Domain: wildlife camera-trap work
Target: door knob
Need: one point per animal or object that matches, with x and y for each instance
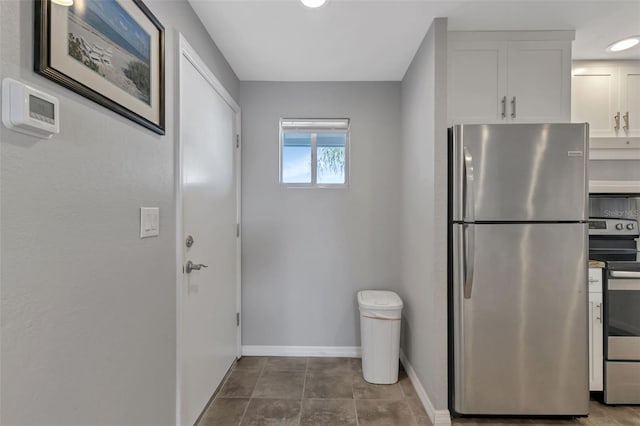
(194, 267)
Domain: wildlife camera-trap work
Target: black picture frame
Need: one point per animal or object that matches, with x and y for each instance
(85, 71)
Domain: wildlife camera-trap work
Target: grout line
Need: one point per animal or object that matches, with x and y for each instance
(304, 385)
(306, 371)
(244, 413)
(353, 393)
(415, 417)
(264, 367)
(404, 394)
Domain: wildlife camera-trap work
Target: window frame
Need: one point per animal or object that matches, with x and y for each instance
(314, 126)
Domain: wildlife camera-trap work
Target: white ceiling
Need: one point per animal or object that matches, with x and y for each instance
(361, 40)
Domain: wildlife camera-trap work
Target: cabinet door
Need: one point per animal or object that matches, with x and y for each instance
(476, 82)
(595, 98)
(539, 81)
(630, 99)
(595, 342)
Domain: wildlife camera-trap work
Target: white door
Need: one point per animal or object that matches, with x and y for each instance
(630, 100)
(477, 82)
(539, 81)
(208, 297)
(595, 98)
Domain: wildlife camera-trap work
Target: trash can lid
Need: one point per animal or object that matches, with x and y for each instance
(379, 300)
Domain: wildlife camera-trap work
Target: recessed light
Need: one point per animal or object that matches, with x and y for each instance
(313, 3)
(624, 44)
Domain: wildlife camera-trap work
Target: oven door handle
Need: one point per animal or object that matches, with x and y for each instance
(624, 274)
(612, 250)
(624, 284)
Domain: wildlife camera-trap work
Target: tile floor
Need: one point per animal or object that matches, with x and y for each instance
(280, 391)
(311, 391)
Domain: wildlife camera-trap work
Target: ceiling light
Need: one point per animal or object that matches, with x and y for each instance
(63, 2)
(313, 3)
(624, 44)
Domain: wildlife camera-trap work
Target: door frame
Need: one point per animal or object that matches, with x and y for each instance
(185, 50)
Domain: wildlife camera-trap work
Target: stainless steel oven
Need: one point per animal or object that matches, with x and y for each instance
(613, 238)
(622, 331)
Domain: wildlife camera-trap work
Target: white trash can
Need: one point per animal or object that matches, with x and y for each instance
(380, 314)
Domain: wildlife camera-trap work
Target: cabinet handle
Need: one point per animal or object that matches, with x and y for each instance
(599, 317)
(513, 107)
(626, 121)
(504, 107)
(617, 120)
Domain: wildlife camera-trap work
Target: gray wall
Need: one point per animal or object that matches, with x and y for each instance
(88, 308)
(424, 203)
(306, 252)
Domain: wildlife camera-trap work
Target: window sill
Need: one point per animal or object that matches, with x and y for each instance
(314, 186)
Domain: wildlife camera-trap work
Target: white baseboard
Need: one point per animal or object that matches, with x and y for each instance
(437, 417)
(327, 351)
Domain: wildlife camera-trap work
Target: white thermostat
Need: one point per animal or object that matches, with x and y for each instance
(28, 110)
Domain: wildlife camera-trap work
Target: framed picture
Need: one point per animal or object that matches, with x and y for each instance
(110, 51)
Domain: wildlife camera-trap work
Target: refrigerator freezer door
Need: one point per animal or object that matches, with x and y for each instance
(520, 338)
(520, 172)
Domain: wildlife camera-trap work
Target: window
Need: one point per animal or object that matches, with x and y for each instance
(314, 152)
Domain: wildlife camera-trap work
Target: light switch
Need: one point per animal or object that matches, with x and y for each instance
(149, 222)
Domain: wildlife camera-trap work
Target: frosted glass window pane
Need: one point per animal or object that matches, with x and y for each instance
(331, 158)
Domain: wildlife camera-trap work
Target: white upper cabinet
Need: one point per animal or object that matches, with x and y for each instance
(477, 77)
(596, 98)
(539, 81)
(630, 98)
(606, 94)
(509, 76)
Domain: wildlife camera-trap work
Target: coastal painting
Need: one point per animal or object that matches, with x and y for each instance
(104, 37)
(111, 51)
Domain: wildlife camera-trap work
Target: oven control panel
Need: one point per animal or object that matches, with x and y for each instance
(613, 227)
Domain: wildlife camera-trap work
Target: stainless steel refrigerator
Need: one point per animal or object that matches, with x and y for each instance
(518, 269)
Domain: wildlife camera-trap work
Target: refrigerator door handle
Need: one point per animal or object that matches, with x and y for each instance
(469, 202)
(460, 255)
(469, 258)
